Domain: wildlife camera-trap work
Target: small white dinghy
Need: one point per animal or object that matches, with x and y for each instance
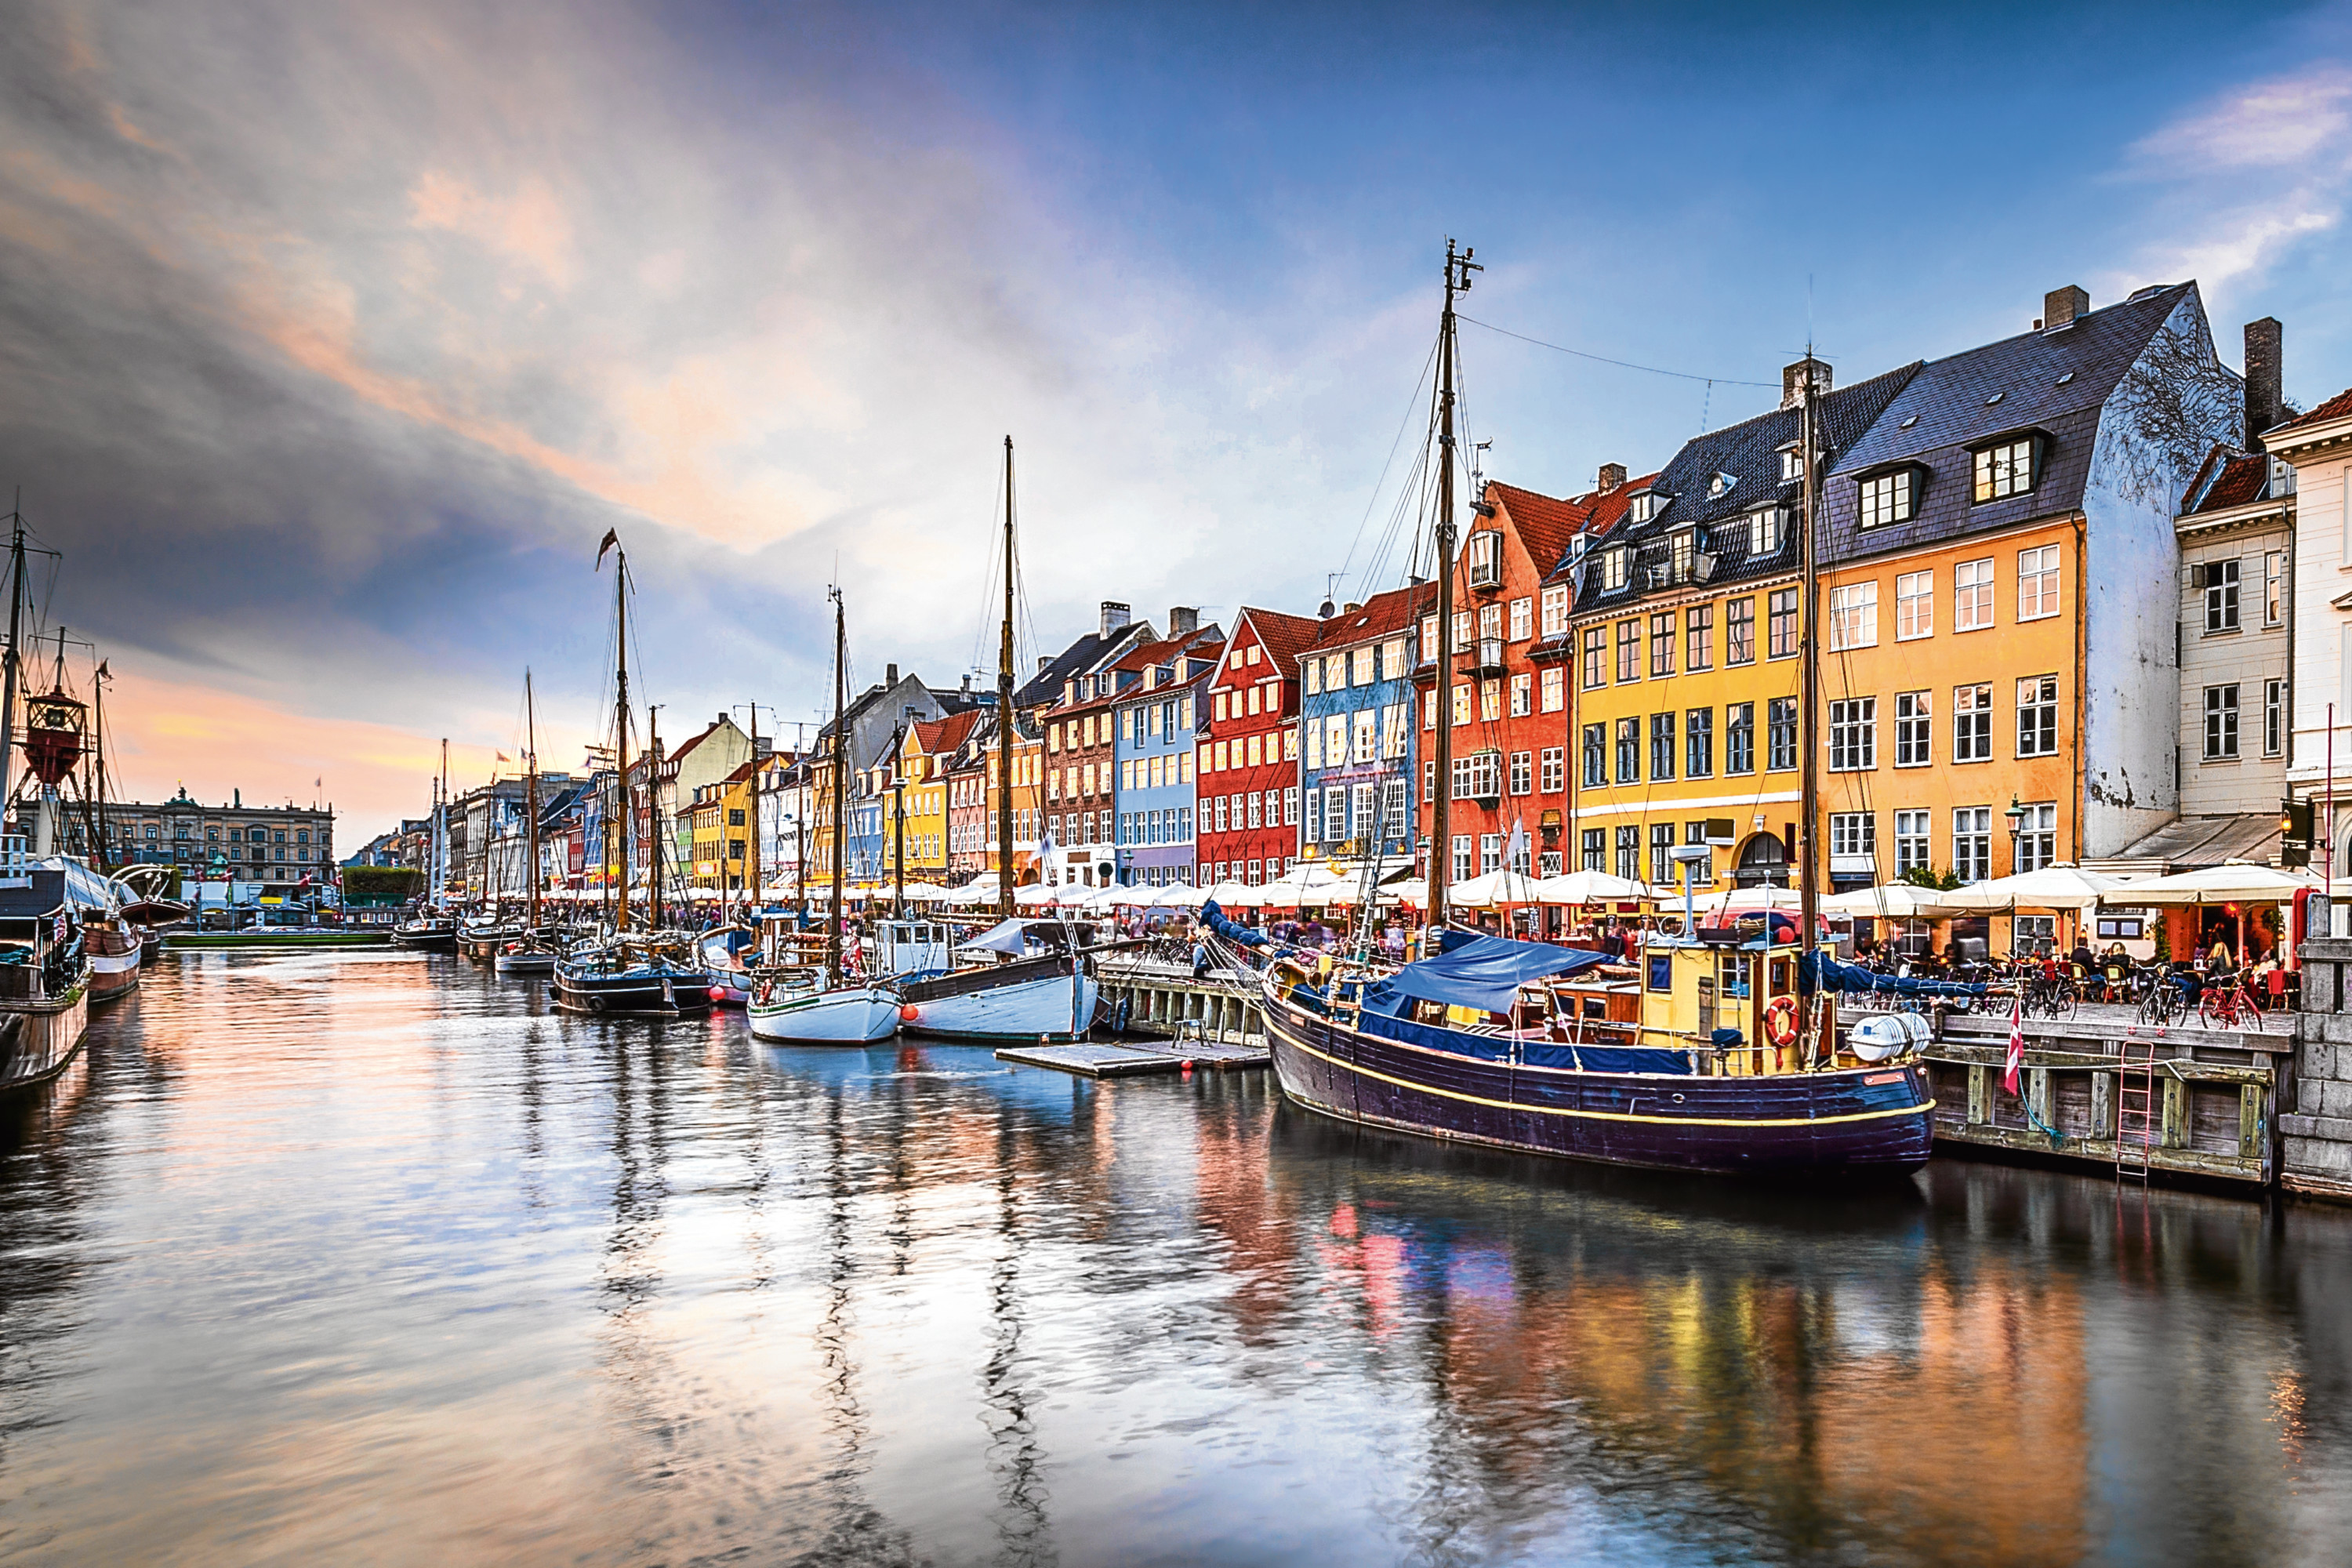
(794, 1009)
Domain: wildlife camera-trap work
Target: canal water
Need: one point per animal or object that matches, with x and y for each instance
(362, 1256)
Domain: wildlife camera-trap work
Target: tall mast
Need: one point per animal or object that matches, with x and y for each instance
(751, 843)
(621, 733)
(1808, 835)
(441, 828)
(8, 683)
(531, 800)
(898, 827)
(840, 789)
(99, 851)
(1458, 268)
(1004, 714)
(655, 826)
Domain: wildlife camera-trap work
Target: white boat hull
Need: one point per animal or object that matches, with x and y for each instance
(1022, 1012)
(855, 1016)
(525, 965)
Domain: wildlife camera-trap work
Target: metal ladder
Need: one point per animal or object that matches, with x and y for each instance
(2136, 1111)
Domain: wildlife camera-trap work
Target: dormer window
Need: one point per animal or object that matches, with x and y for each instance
(2004, 468)
(1614, 565)
(1889, 498)
(1681, 548)
(1485, 559)
(1792, 464)
(1644, 507)
(1720, 486)
(1768, 529)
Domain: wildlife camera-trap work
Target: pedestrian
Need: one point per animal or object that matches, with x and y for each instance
(1201, 958)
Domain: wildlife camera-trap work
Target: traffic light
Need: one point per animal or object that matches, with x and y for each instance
(2298, 832)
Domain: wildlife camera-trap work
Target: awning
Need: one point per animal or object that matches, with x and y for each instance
(2187, 843)
(1487, 972)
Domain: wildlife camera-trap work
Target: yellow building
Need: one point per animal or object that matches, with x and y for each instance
(926, 752)
(720, 818)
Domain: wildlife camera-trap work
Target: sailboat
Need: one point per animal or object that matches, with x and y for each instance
(530, 956)
(1024, 991)
(432, 928)
(804, 1005)
(44, 961)
(643, 974)
(1476, 1043)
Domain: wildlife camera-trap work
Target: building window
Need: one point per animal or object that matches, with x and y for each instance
(1490, 853)
(1853, 833)
(1462, 842)
(1428, 639)
(1914, 605)
(1854, 734)
(2221, 595)
(2037, 836)
(1596, 656)
(1478, 777)
(1661, 852)
(1767, 530)
(1662, 746)
(1782, 629)
(1461, 704)
(1554, 689)
(1972, 724)
(1739, 632)
(1629, 751)
(1614, 569)
(1853, 615)
(1780, 733)
(2037, 716)
(1596, 756)
(2222, 723)
(1554, 776)
(2273, 717)
(1629, 650)
(1740, 737)
(1290, 807)
(2037, 583)
(1522, 695)
(1490, 700)
(1629, 852)
(1523, 772)
(1523, 620)
(1912, 717)
(1698, 637)
(1698, 743)
(1910, 841)
(1972, 843)
(2005, 471)
(1972, 596)
(1555, 610)
(1662, 645)
(2273, 587)
(1887, 499)
(1594, 850)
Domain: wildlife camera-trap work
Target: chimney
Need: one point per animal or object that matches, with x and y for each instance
(1351, 608)
(1611, 479)
(2060, 306)
(890, 676)
(2265, 392)
(1183, 620)
(1045, 663)
(1792, 381)
(1114, 616)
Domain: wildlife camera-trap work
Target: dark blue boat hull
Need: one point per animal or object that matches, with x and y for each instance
(633, 993)
(1875, 1121)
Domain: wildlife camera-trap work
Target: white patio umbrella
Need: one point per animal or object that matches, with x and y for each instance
(1588, 887)
(1178, 896)
(1305, 883)
(2237, 882)
(925, 892)
(1234, 896)
(1493, 890)
(1037, 896)
(1891, 901)
(2049, 888)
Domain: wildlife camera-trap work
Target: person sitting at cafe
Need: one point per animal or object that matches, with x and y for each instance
(2217, 958)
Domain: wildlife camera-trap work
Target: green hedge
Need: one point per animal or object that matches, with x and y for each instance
(386, 884)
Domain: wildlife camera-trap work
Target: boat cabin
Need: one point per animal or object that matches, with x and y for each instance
(910, 947)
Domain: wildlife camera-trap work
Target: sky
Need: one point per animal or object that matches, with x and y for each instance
(333, 337)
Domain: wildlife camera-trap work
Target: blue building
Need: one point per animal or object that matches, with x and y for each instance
(1158, 722)
(1358, 746)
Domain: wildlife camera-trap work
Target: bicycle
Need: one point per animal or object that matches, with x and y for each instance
(2162, 1000)
(2047, 996)
(2230, 1005)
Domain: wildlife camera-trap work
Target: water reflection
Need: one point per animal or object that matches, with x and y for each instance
(320, 1253)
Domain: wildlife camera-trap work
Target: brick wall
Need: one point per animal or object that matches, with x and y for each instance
(2316, 1121)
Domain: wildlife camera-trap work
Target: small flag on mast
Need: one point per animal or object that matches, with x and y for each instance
(612, 538)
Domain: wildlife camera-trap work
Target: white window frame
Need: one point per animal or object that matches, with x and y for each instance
(1915, 728)
(1886, 499)
(1854, 734)
(2220, 726)
(2002, 470)
(1911, 840)
(1974, 597)
(1914, 605)
(1853, 615)
(2038, 586)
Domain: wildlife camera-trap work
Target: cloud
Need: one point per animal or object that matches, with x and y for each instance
(2248, 178)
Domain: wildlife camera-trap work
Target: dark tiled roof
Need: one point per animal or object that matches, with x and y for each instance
(2054, 382)
(1378, 616)
(2336, 407)
(2228, 477)
(1746, 456)
(1602, 512)
(1045, 686)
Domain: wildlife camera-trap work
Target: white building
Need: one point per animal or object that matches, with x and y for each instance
(2319, 446)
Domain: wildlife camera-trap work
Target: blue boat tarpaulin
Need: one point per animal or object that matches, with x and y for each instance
(1487, 971)
(1836, 976)
(1214, 918)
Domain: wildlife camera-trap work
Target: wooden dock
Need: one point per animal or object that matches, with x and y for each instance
(1099, 1058)
(2217, 1091)
(1141, 997)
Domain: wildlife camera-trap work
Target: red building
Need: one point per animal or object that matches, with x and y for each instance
(1248, 770)
(1510, 698)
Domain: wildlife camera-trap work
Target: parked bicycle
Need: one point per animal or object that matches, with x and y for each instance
(2160, 998)
(2228, 1004)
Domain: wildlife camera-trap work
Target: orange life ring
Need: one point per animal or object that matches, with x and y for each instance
(1780, 1020)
